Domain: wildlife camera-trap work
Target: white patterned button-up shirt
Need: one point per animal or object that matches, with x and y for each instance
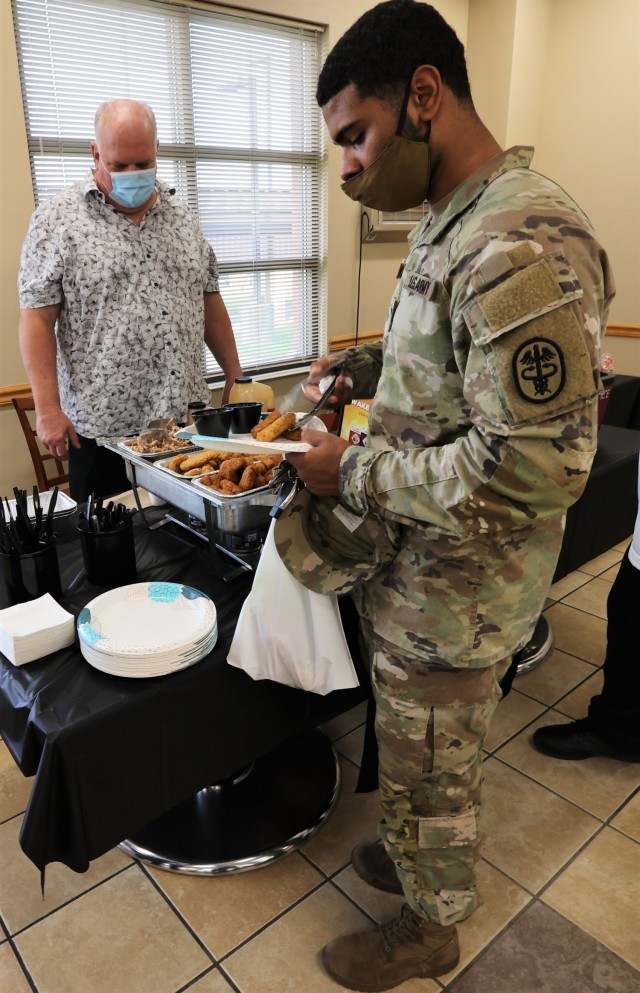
(131, 324)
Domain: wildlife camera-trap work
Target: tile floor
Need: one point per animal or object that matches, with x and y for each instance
(560, 874)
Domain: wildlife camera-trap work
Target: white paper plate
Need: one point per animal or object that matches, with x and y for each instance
(246, 444)
(145, 668)
(146, 620)
(176, 656)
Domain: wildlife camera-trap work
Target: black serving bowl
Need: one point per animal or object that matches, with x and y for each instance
(214, 422)
(244, 416)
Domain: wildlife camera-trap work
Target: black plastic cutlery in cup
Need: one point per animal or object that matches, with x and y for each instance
(28, 556)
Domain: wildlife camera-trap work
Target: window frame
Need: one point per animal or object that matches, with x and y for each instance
(308, 266)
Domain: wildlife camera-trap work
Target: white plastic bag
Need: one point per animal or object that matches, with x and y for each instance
(290, 634)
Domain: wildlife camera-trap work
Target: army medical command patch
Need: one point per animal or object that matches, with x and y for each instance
(539, 370)
(530, 331)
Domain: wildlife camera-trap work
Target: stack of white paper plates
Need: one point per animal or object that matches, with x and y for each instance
(147, 629)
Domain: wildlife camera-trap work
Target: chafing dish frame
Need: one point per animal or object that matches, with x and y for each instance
(230, 514)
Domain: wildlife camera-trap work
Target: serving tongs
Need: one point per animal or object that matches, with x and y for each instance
(152, 435)
(288, 402)
(161, 423)
(286, 483)
(158, 430)
(305, 418)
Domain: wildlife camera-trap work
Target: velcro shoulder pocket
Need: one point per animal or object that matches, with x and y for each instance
(529, 327)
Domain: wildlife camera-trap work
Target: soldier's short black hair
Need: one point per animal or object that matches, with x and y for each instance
(382, 49)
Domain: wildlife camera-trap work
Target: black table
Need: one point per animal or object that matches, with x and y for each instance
(112, 755)
(623, 404)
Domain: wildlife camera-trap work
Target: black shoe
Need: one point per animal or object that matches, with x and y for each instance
(578, 740)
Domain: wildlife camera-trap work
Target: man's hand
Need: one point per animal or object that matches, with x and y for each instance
(326, 366)
(54, 429)
(318, 468)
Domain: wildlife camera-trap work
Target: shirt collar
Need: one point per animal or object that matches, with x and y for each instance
(455, 203)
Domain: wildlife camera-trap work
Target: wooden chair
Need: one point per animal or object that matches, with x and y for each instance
(41, 459)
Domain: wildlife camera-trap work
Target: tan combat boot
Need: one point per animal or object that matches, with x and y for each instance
(371, 862)
(407, 947)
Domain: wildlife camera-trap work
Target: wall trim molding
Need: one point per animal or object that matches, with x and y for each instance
(345, 341)
(623, 330)
(6, 392)
(335, 345)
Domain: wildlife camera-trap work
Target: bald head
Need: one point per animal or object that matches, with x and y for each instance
(125, 115)
(125, 142)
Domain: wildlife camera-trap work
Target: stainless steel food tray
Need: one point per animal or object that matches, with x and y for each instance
(238, 514)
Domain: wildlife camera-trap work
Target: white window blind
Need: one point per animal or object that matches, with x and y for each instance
(240, 140)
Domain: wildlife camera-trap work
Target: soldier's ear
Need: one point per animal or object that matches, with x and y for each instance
(426, 93)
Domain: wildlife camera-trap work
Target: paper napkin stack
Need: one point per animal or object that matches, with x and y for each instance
(36, 628)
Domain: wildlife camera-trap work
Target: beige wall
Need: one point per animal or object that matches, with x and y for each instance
(560, 74)
(591, 142)
(17, 205)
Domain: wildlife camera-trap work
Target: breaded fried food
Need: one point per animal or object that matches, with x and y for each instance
(233, 468)
(248, 479)
(175, 463)
(227, 486)
(195, 461)
(273, 416)
(207, 467)
(283, 423)
(222, 456)
(294, 435)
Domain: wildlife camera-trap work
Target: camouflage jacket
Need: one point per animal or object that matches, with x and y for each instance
(483, 426)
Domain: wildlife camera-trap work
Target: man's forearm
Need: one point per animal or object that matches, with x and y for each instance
(38, 350)
(218, 336)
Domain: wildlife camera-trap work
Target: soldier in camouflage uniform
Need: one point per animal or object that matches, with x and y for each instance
(482, 432)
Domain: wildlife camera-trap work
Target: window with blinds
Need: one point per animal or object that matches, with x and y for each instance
(240, 140)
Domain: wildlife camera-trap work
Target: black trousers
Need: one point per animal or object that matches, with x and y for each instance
(615, 712)
(94, 469)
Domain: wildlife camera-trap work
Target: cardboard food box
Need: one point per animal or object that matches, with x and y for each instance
(355, 422)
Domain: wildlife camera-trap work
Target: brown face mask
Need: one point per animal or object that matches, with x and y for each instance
(399, 177)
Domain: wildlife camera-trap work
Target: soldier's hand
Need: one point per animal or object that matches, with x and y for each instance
(319, 374)
(318, 467)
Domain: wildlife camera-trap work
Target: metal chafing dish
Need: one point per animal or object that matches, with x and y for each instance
(235, 524)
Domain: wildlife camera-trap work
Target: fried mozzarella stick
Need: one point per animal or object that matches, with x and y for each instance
(273, 416)
(283, 423)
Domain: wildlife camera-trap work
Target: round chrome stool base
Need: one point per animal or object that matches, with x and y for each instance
(249, 821)
(536, 649)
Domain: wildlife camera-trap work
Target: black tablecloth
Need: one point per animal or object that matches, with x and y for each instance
(111, 754)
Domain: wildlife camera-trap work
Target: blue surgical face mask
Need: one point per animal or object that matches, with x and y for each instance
(132, 189)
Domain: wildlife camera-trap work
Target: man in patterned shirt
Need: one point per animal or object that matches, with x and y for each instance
(118, 290)
(482, 431)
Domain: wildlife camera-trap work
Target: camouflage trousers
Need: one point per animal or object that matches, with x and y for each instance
(431, 724)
